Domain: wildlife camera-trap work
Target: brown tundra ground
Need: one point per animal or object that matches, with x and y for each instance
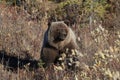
(21, 40)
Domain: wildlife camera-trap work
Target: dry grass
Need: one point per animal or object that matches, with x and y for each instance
(21, 40)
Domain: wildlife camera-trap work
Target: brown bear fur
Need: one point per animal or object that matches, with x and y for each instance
(58, 37)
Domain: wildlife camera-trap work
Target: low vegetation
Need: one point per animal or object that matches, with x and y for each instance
(95, 23)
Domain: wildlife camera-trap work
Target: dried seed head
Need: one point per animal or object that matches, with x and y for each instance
(77, 63)
(76, 52)
(73, 52)
(66, 50)
(63, 55)
(70, 60)
(58, 68)
(63, 65)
